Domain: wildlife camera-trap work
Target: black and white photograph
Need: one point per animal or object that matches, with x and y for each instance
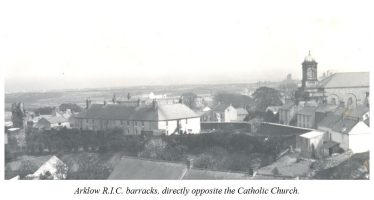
(186, 90)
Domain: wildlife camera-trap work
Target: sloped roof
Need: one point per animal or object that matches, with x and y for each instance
(220, 107)
(54, 119)
(202, 174)
(312, 134)
(346, 79)
(329, 121)
(140, 169)
(345, 125)
(52, 166)
(141, 113)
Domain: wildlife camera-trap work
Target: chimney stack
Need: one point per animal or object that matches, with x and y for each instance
(154, 104)
(88, 103)
(114, 99)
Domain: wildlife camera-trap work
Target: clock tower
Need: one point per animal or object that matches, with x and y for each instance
(309, 72)
(309, 84)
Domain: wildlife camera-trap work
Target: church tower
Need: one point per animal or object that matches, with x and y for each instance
(309, 72)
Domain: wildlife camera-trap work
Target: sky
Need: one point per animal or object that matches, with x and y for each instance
(47, 45)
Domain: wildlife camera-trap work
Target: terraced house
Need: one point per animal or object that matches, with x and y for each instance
(138, 119)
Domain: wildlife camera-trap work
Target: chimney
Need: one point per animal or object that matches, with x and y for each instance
(114, 98)
(154, 104)
(88, 103)
(138, 102)
(104, 103)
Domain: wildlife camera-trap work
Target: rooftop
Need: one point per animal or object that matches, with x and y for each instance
(345, 125)
(220, 107)
(346, 79)
(329, 121)
(312, 134)
(140, 169)
(54, 119)
(141, 113)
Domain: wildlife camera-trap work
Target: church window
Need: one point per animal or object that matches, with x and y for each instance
(350, 101)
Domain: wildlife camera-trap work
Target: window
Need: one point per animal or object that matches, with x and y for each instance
(142, 123)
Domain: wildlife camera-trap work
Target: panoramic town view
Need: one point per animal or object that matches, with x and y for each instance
(313, 128)
(186, 90)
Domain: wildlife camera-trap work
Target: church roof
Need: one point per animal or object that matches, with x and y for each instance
(141, 113)
(346, 80)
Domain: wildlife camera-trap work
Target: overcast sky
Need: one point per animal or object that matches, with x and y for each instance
(80, 44)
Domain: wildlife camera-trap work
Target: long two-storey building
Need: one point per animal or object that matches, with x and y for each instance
(137, 119)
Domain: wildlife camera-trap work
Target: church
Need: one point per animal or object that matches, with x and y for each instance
(347, 89)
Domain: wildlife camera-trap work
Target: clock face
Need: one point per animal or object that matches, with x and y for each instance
(309, 73)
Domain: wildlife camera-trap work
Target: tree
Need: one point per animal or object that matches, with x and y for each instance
(265, 97)
(236, 100)
(18, 114)
(189, 99)
(44, 110)
(72, 106)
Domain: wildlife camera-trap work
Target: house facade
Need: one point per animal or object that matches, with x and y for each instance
(311, 144)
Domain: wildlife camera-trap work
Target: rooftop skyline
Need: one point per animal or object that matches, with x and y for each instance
(88, 44)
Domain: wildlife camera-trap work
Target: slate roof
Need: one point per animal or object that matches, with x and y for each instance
(55, 119)
(141, 113)
(345, 125)
(140, 169)
(329, 121)
(346, 79)
(312, 134)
